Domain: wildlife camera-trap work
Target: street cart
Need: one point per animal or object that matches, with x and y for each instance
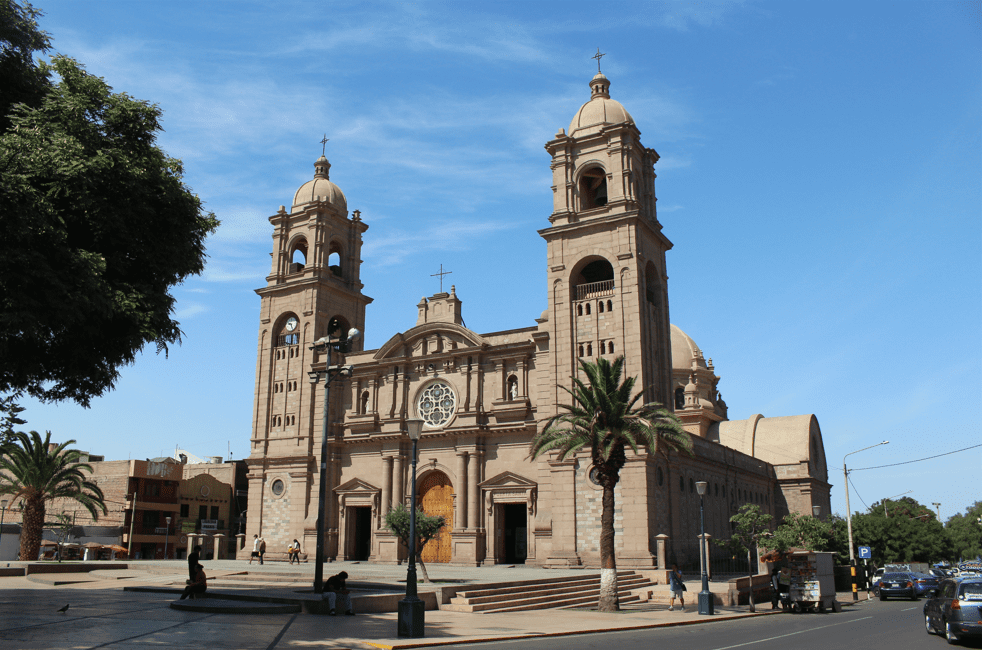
(812, 583)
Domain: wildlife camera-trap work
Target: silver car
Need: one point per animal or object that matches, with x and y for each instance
(954, 609)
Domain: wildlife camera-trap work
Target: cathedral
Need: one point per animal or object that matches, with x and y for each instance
(482, 396)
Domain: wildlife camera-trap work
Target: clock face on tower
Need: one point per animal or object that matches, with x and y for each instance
(291, 324)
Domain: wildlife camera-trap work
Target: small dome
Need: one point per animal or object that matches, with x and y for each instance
(601, 109)
(684, 350)
(321, 189)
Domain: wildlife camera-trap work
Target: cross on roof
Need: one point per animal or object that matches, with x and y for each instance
(326, 139)
(598, 56)
(441, 274)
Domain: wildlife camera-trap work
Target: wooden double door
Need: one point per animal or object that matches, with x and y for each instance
(436, 498)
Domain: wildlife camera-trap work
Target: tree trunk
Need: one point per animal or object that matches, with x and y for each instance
(609, 601)
(751, 570)
(32, 527)
(422, 567)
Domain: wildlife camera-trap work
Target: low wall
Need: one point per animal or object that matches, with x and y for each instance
(70, 567)
(739, 590)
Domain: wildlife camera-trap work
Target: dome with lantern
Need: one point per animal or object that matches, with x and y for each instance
(320, 188)
(600, 111)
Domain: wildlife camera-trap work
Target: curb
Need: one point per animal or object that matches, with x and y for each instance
(546, 635)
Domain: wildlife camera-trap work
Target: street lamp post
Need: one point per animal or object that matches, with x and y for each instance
(327, 344)
(411, 609)
(166, 536)
(706, 605)
(852, 551)
(886, 512)
(3, 511)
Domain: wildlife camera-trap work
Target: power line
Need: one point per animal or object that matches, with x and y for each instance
(857, 491)
(908, 462)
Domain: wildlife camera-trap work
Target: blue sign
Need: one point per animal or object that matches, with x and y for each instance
(865, 553)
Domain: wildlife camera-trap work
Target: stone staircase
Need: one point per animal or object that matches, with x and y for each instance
(549, 593)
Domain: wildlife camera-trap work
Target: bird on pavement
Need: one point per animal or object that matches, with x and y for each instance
(65, 608)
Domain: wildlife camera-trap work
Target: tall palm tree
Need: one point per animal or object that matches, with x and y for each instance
(36, 471)
(603, 417)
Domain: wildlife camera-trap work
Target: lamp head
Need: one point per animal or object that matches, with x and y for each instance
(3, 503)
(168, 519)
(314, 376)
(414, 428)
(701, 487)
(816, 511)
(353, 333)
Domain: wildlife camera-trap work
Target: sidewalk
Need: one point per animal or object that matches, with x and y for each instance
(103, 614)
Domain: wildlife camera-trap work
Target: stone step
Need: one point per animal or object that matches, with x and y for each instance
(547, 594)
(525, 586)
(625, 583)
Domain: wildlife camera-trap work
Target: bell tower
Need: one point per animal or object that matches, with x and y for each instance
(314, 281)
(608, 292)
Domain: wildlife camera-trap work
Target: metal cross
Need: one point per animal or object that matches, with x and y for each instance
(441, 274)
(327, 139)
(598, 56)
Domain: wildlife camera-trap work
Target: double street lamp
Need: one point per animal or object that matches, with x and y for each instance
(706, 605)
(412, 610)
(852, 552)
(327, 344)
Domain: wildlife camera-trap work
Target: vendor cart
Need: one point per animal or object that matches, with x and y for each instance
(812, 583)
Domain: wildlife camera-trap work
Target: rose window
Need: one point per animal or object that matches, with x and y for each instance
(436, 404)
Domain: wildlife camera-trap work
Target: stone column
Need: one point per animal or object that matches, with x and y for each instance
(219, 538)
(660, 541)
(191, 538)
(386, 486)
(399, 483)
(473, 493)
(460, 503)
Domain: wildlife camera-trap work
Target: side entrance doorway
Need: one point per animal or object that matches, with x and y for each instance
(514, 533)
(360, 532)
(436, 498)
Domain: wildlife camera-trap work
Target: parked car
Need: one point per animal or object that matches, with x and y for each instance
(877, 575)
(896, 585)
(954, 609)
(924, 582)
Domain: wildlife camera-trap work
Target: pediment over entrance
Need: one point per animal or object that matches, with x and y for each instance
(356, 486)
(447, 336)
(508, 480)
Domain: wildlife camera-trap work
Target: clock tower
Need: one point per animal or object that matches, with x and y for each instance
(314, 281)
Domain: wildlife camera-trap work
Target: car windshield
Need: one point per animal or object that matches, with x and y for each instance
(971, 591)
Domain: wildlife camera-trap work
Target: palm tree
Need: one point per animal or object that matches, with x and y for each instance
(36, 471)
(603, 418)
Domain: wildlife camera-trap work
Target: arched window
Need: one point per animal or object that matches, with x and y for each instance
(600, 307)
(334, 259)
(681, 484)
(610, 347)
(581, 350)
(679, 398)
(588, 309)
(610, 306)
(579, 310)
(593, 189)
(298, 255)
(589, 349)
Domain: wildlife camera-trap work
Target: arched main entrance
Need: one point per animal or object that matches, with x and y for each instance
(436, 497)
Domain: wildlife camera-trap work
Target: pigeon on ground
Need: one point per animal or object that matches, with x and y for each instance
(65, 608)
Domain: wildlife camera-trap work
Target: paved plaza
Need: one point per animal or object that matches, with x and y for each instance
(130, 608)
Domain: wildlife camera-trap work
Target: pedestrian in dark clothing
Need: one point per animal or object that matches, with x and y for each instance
(775, 588)
(335, 591)
(193, 562)
(677, 585)
(198, 586)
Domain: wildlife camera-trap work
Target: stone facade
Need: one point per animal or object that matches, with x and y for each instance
(483, 396)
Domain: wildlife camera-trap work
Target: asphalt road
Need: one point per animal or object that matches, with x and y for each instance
(870, 625)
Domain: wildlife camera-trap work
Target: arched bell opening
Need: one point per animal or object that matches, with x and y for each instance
(334, 260)
(593, 188)
(298, 255)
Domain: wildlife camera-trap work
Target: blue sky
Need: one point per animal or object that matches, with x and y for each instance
(821, 180)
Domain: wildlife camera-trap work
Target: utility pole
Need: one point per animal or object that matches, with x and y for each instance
(129, 550)
(937, 506)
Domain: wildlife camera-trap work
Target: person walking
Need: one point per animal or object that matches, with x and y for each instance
(255, 550)
(294, 551)
(262, 549)
(775, 587)
(678, 588)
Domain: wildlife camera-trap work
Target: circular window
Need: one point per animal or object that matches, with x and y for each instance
(436, 404)
(205, 490)
(595, 475)
(277, 487)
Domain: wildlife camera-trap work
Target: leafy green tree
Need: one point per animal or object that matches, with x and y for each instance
(20, 38)
(751, 528)
(97, 227)
(604, 419)
(965, 533)
(801, 531)
(901, 531)
(11, 411)
(427, 527)
(35, 471)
